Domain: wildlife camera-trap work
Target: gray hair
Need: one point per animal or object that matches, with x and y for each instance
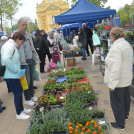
(84, 24)
(22, 19)
(50, 33)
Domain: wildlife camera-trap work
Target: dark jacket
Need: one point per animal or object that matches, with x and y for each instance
(71, 35)
(40, 44)
(45, 36)
(83, 39)
(88, 32)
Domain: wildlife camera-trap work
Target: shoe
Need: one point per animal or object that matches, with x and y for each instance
(29, 103)
(26, 111)
(34, 99)
(114, 125)
(22, 116)
(34, 87)
(84, 59)
(81, 58)
(126, 118)
(43, 72)
(2, 110)
(1, 102)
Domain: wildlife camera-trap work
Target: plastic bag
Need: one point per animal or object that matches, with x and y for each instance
(96, 40)
(59, 64)
(37, 75)
(23, 80)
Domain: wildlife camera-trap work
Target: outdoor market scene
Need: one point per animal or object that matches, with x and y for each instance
(66, 67)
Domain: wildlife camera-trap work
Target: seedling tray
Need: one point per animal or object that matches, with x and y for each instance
(85, 80)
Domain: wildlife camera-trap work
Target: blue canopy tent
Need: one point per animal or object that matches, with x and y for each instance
(84, 11)
(1, 33)
(53, 29)
(33, 32)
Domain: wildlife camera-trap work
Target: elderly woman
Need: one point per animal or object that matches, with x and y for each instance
(118, 76)
(83, 43)
(52, 42)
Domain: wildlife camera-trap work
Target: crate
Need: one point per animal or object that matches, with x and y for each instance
(61, 79)
(71, 62)
(85, 80)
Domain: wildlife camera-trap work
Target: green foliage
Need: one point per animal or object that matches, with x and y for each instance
(8, 30)
(52, 121)
(75, 106)
(99, 3)
(125, 13)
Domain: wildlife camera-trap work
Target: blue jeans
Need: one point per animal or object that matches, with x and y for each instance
(16, 87)
(29, 71)
(72, 41)
(0, 105)
(83, 51)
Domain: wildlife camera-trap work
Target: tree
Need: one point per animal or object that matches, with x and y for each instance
(125, 14)
(99, 3)
(8, 30)
(8, 7)
(35, 24)
(108, 7)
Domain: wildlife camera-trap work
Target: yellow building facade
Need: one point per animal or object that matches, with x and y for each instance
(46, 12)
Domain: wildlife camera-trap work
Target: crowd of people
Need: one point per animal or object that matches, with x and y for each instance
(23, 51)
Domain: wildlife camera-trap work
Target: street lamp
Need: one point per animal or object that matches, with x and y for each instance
(10, 16)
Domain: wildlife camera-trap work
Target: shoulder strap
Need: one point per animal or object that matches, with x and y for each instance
(13, 52)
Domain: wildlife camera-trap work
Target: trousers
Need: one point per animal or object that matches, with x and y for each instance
(89, 42)
(29, 71)
(120, 103)
(16, 87)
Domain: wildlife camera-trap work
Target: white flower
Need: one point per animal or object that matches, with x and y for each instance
(41, 109)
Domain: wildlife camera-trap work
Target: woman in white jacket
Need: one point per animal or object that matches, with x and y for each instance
(118, 76)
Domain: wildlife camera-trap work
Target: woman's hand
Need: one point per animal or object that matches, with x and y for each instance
(55, 44)
(18, 48)
(111, 89)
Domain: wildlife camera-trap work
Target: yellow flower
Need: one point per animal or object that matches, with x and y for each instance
(80, 125)
(77, 127)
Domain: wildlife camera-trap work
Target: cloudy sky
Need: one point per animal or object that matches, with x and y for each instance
(29, 7)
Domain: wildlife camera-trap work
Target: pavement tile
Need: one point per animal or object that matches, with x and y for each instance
(96, 77)
(105, 102)
(98, 91)
(99, 83)
(86, 68)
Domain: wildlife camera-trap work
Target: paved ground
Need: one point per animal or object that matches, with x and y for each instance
(10, 125)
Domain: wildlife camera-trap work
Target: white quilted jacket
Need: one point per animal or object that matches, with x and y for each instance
(118, 65)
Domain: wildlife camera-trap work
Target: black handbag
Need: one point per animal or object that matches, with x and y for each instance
(3, 68)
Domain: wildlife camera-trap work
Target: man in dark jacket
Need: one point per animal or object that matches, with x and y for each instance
(42, 32)
(89, 35)
(40, 45)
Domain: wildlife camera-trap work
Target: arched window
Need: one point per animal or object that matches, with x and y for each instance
(43, 22)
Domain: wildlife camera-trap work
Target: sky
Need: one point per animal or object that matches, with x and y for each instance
(29, 7)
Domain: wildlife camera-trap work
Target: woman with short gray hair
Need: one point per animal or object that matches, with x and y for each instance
(118, 76)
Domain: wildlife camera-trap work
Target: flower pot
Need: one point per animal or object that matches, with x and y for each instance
(100, 115)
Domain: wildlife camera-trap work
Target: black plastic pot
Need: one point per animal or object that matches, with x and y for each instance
(101, 116)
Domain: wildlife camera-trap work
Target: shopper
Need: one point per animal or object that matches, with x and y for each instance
(83, 43)
(40, 45)
(4, 39)
(71, 36)
(28, 59)
(52, 42)
(89, 35)
(10, 57)
(2, 109)
(118, 76)
(47, 49)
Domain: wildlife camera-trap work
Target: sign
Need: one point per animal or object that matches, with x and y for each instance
(109, 43)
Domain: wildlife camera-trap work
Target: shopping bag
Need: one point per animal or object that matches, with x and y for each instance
(53, 66)
(59, 65)
(37, 75)
(23, 80)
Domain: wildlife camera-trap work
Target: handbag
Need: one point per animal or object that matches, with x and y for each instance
(3, 68)
(23, 80)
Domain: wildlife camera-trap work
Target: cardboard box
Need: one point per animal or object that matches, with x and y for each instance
(71, 61)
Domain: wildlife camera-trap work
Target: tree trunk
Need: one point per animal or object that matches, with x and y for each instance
(1, 23)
